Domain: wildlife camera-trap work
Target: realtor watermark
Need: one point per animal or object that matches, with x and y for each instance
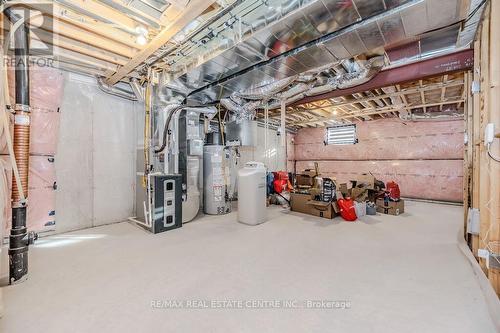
(35, 17)
(242, 304)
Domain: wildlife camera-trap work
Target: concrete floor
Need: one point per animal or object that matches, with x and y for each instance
(400, 274)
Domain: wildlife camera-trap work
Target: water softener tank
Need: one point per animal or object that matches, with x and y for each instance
(215, 180)
(252, 193)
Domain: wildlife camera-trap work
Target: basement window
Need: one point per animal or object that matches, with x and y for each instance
(341, 135)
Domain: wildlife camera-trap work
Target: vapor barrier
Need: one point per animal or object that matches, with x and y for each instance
(46, 92)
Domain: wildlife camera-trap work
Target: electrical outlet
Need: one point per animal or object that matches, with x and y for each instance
(485, 254)
(489, 134)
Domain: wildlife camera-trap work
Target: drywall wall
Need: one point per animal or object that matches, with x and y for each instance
(95, 163)
(425, 158)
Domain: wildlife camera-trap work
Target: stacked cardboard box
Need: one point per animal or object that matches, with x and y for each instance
(302, 203)
(364, 188)
(390, 207)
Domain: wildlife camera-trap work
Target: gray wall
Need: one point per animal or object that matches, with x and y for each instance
(95, 163)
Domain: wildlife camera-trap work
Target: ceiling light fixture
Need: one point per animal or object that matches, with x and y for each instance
(141, 40)
(142, 35)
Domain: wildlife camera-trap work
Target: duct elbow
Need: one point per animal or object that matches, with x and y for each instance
(115, 91)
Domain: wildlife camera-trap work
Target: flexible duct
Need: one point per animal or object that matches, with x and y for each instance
(266, 90)
(19, 237)
(431, 116)
(115, 91)
(299, 88)
(243, 104)
(373, 66)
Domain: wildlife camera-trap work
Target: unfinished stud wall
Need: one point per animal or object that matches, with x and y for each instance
(95, 163)
(425, 158)
(483, 173)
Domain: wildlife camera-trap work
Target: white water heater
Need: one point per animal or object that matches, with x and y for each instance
(252, 194)
(216, 180)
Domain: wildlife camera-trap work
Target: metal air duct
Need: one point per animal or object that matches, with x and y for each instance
(115, 91)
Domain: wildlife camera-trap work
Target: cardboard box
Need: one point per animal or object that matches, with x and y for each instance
(359, 194)
(366, 180)
(373, 195)
(391, 208)
(298, 202)
(310, 172)
(302, 203)
(321, 209)
(304, 180)
(343, 189)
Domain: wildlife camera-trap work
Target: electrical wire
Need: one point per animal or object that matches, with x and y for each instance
(147, 96)
(491, 155)
(221, 125)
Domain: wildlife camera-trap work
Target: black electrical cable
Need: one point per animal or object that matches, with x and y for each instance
(166, 131)
(288, 201)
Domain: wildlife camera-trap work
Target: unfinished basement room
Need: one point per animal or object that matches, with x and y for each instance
(250, 166)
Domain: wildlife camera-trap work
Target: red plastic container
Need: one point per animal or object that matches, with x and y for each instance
(393, 189)
(280, 183)
(347, 210)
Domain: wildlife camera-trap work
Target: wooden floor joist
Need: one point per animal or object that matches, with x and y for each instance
(191, 12)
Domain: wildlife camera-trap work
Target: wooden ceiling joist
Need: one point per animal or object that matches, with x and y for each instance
(81, 35)
(78, 47)
(191, 12)
(382, 102)
(102, 11)
(88, 23)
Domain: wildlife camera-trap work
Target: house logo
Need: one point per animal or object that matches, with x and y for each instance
(36, 18)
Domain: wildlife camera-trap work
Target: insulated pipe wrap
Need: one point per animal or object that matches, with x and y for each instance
(21, 151)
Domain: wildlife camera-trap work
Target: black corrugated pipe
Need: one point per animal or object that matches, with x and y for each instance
(19, 237)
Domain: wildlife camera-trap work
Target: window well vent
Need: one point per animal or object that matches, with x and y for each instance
(341, 135)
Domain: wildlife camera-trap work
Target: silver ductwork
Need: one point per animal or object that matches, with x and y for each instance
(430, 116)
(243, 104)
(267, 90)
(138, 90)
(115, 91)
(270, 44)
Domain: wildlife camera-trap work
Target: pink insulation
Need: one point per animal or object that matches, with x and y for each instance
(41, 192)
(46, 90)
(387, 139)
(425, 158)
(46, 87)
(433, 180)
(43, 132)
(45, 97)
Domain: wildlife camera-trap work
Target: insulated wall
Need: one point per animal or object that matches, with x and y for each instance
(95, 163)
(425, 158)
(46, 89)
(273, 157)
